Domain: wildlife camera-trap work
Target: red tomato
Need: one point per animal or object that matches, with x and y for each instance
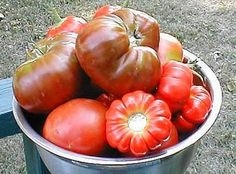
(117, 51)
(175, 83)
(138, 123)
(51, 76)
(78, 125)
(195, 110)
(105, 10)
(198, 105)
(169, 48)
(68, 24)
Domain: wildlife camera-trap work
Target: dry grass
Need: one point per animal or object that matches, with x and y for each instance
(205, 27)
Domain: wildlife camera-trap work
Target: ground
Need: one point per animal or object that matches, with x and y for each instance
(206, 28)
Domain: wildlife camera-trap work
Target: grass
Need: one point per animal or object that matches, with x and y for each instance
(205, 27)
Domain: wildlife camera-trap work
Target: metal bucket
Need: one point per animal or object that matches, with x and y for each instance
(173, 160)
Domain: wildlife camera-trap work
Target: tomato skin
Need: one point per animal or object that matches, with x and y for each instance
(78, 125)
(195, 110)
(106, 99)
(110, 54)
(170, 141)
(169, 48)
(105, 10)
(199, 103)
(51, 77)
(175, 83)
(137, 124)
(68, 24)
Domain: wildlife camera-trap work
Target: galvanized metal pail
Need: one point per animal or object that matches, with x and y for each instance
(173, 160)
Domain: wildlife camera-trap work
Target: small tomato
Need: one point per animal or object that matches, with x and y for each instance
(170, 48)
(198, 105)
(194, 111)
(175, 83)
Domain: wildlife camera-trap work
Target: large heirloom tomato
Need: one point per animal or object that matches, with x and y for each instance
(50, 77)
(195, 110)
(175, 83)
(68, 24)
(78, 125)
(138, 124)
(117, 51)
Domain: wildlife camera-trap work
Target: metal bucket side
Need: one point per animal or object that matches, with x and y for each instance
(175, 164)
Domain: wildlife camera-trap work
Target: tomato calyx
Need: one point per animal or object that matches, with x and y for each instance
(135, 38)
(135, 22)
(137, 122)
(37, 50)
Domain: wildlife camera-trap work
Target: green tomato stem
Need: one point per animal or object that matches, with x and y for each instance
(125, 4)
(55, 15)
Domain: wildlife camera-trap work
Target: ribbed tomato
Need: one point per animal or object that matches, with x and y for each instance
(175, 83)
(195, 110)
(51, 76)
(138, 124)
(117, 51)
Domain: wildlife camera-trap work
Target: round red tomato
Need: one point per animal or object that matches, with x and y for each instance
(117, 51)
(169, 48)
(78, 125)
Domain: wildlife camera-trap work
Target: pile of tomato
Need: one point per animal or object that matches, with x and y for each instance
(113, 83)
